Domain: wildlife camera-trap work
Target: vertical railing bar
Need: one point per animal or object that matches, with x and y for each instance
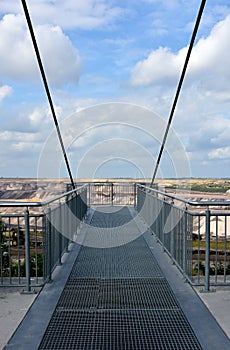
(1, 248)
(225, 248)
(189, 243)
(76, 213)
(70, 224)
(198, 248)
(65, 232)
(178, 236)
(171, 233)
(18, 250)
(207, 252)
(49, 263)
(58, 231)
(74, 217)
(27, 251)
(81, 201)
(89, 194)
(216, 254)
(44, 246)
(163, 225)
(69, 228)
(184, 245)
(36, 248)
(9, 251)
(191, 229)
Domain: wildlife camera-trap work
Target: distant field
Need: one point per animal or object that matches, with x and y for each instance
(199, 185)
(41, 189)
(207, 186)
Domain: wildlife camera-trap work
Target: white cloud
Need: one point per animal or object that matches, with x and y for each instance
(14, 144)
(209, 133)
(40, 118)
(61, 60)
(202, 115)
(16, 136)
(19, 153)
(210, 54)
(160, 65)
(87, 14)
(208, 63)
(5, 91)
(220, 153)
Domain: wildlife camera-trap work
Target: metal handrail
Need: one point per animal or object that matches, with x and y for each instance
(40, 204)
(175, 236)
(55, 236)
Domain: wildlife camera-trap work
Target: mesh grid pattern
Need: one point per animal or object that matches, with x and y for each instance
(118, 294)
(118, 298)
(103, 219)
(112, 329)
(130, 260)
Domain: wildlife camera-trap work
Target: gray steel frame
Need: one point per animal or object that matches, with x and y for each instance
(24, 238)
(110, 193)
(174, 225)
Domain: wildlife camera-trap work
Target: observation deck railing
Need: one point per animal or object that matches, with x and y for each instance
(195, 234)
(109, 192)
(35, 236)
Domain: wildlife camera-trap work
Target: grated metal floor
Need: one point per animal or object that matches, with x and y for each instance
(118, 298)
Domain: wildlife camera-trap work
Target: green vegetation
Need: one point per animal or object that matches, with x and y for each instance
(220, 245)
(10, 266)
(15, 268)
(217, 251)
(200, 185)
(213, 187)
(217, 269)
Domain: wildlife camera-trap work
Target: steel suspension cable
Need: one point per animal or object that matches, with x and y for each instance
(42, 71)
(195, 30)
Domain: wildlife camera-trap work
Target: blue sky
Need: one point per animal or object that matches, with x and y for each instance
(112, 54)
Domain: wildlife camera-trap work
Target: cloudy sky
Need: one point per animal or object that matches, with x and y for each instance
(113, 68)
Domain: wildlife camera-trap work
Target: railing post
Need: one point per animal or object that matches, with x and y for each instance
(44, 243)
(85, 203)
(49, 262)
(76, 212)
(82, 207)
(89, 194)
(184, 245)
(27, 252)
(112, 193)
(69, 229)
(135, 195)
(157, 215)
(137, 198)
(163, 216)
(172, 235)
(207, 252)
(59, 232)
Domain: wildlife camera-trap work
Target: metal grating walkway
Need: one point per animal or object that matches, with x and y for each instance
(117, 298)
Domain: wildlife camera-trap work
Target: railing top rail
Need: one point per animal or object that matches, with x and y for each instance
(39, 204)
(188, 201)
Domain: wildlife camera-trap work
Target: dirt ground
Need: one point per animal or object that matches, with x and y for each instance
(13, 307)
